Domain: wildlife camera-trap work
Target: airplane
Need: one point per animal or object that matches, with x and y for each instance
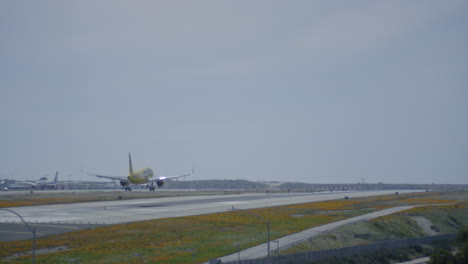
(20, 185)
(140, 177)
(41, 184)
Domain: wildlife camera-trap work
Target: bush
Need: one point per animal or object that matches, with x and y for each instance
(446, 256)
(442, 256)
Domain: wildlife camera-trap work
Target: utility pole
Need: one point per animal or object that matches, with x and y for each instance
(277, 246)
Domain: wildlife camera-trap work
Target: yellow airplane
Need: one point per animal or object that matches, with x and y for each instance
(141, 177)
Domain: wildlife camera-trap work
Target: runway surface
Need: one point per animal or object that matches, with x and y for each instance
(52, 219)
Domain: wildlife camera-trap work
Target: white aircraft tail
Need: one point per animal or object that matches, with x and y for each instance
(56, 177)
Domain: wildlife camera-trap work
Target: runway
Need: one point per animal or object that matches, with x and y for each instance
(83, 215)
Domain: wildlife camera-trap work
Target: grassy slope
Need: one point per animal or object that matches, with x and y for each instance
(445, 219)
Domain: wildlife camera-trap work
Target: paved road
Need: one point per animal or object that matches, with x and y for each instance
(260, 251)
(124, 211)
(416, 261)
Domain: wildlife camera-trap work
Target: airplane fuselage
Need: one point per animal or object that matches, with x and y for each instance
(140, 176)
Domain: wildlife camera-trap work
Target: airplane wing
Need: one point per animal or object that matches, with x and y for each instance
(22, 184)
(171, 177)
(109, 177)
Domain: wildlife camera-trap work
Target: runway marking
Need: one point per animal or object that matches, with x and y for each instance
(20, 232)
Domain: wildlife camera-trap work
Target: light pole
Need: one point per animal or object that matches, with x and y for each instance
(238, 251)
(277, 246)
(33, 231)
(193, 251)
(267, 222)
(139, 256)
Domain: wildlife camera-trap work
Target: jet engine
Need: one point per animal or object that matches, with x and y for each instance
(159, 183)
(124, 183)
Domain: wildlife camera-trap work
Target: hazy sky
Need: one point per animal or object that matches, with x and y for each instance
(310, 91)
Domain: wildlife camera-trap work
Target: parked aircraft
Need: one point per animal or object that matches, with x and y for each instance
(140, 177)
(41, 184)
(20, 185)
(44, 184)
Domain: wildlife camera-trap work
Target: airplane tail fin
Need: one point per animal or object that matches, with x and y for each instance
(130, 164)
(56, 177)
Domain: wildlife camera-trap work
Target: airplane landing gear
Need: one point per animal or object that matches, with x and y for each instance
(128, 189)
(151, 187)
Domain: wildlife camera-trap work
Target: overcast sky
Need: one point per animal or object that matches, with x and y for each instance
(308, 91)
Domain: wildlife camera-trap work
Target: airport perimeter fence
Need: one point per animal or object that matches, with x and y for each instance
(311, 256)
